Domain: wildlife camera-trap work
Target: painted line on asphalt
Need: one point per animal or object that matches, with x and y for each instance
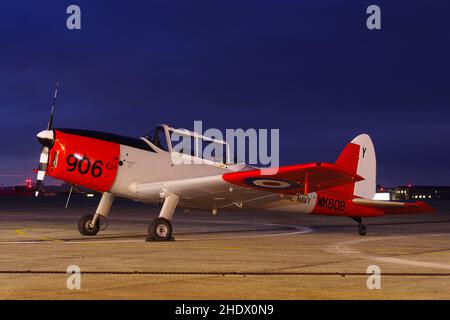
(297, 230)
(345, 247)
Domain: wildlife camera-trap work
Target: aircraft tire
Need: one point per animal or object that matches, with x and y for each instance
(85, 229)
(160, 230)
(362, 230)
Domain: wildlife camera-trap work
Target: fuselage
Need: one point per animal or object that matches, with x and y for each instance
(117, 164)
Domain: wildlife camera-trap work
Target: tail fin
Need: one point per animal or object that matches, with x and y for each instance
(359, 157)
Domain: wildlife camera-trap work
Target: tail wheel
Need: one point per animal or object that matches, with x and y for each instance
(160, 230)
(85, 228)
(362, 230)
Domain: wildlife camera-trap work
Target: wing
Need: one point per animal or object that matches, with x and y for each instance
(205, 193)
(295, 179)
(250, 188)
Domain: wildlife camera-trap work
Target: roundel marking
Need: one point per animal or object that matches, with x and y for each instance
(270, 183)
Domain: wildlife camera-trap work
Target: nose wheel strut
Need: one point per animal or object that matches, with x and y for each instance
(91, 224)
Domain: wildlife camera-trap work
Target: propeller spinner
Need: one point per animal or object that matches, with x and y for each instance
(46, 139)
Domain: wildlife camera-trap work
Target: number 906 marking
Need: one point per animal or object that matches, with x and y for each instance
(84, 165)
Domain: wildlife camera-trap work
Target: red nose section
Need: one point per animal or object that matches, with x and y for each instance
(84, 161)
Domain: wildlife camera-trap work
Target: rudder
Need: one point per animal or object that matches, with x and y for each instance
(359, 157)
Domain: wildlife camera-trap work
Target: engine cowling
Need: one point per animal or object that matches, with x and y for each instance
(83, 161)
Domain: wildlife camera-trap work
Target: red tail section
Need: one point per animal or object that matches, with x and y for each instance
(348, 159)
(355, 199)
(358, 157)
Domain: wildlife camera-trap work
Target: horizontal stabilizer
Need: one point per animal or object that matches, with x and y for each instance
(395, 207)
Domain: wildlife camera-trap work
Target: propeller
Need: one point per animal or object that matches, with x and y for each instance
(46, 139)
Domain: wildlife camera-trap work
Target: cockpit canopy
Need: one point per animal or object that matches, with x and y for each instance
(158, 137)
(190, 144)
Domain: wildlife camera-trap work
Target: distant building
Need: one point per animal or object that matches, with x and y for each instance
(420, 193)
(28, 189)
(382, 196)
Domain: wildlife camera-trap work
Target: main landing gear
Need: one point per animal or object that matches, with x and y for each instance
(161, 229)
(89, 225)
(362, 229)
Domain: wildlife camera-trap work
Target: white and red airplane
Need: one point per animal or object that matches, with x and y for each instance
(143, 169)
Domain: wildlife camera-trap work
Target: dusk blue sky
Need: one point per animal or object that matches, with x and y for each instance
(310, 68)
